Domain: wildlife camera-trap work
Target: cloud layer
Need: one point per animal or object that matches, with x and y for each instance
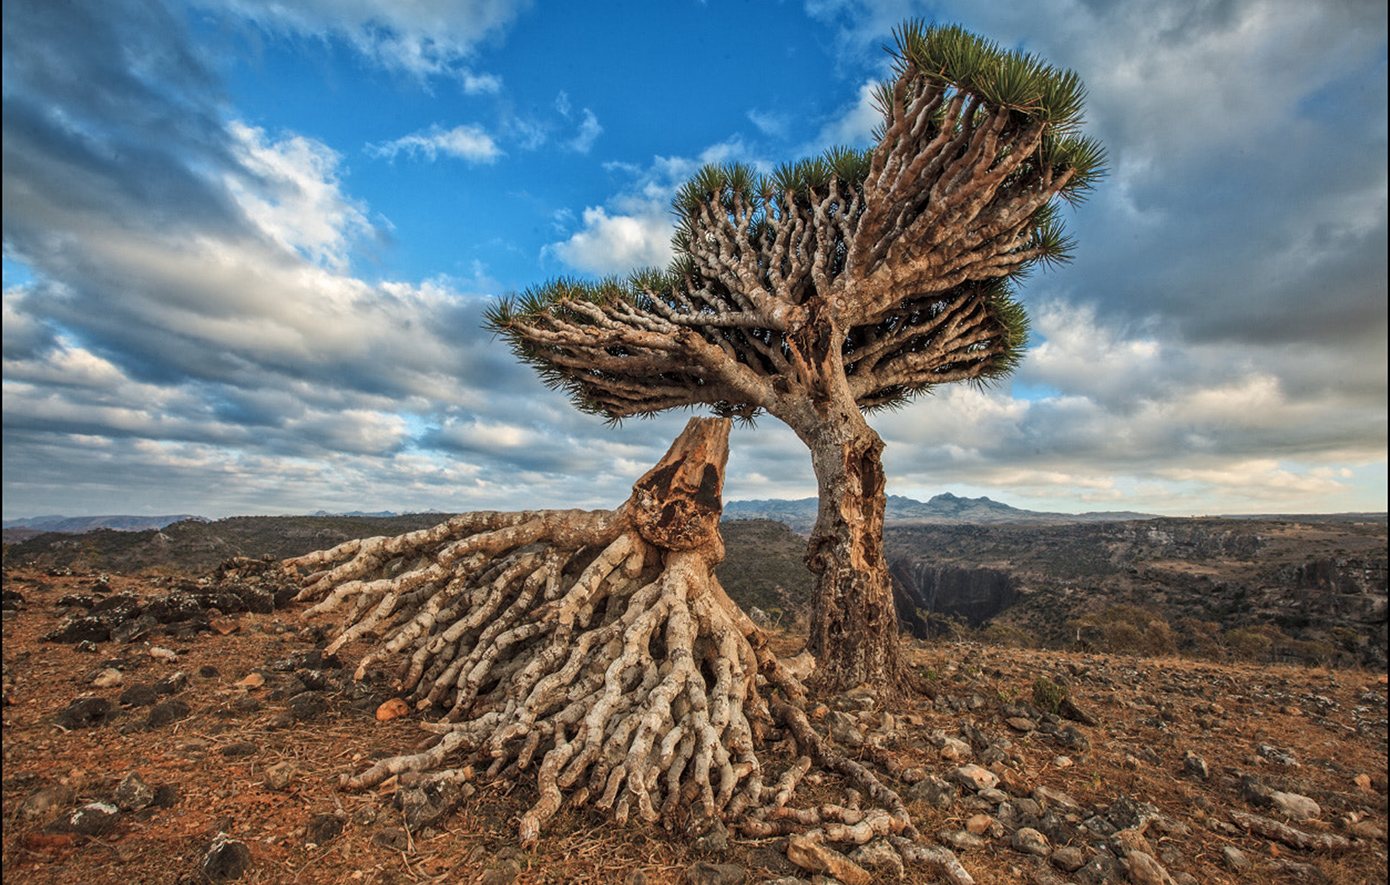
(193, 319)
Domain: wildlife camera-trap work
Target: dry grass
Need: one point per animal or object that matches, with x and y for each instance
(1262, 705)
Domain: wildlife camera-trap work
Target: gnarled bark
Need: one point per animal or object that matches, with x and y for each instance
(854, 622)
(594, 652)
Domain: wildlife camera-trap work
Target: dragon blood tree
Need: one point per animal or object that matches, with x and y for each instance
(595, 653)
(839, 286)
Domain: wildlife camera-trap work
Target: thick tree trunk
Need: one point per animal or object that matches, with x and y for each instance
(854, 623)
(596, 656)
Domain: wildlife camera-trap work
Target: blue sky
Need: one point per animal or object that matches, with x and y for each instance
(247, 246)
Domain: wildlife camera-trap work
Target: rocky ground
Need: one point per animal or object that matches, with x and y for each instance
(173, 732)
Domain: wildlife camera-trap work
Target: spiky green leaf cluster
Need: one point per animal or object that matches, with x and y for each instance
(1019, 81)
(978, 80)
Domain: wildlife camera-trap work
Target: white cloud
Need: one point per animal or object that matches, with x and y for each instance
(615, 244)
(291, 191)
(422, 38)
(470, 143)
(589, 131)
(854, 125)
(480, 84)
(634, 229)
(770, 123)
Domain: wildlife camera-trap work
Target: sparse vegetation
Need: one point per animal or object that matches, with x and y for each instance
(1048, 695)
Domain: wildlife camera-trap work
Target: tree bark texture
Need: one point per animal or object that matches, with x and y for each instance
(593, 654)
(854, 621)
(854, 281)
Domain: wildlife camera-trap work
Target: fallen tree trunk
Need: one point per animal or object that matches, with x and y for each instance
(593, 651)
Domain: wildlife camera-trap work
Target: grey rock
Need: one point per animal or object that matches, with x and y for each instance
(429, 802)
(1103, 869)
(1050, 798)
(1030, 841)
(974, 777)
(1295, 806)
(503, 874)
(1069, 858)
(1195, 766)
(961, 840)
(879, 858)
(93, 819)
(933, 791)
(715, 874)
(322, 829)
(226, 859)
(43, 802)
(139, 695)
(166, 712)
(84, 713)
(392, 839)
(132, 793)
(173, 683)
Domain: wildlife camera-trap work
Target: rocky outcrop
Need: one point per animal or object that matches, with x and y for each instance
(974, 594)
(1321, 587)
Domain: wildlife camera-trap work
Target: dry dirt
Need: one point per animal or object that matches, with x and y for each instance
(1150, 713)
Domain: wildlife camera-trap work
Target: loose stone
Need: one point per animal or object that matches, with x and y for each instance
(1030, 841)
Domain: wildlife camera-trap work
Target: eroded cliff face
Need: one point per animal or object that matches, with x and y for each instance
(1319, 583)
(973, 594)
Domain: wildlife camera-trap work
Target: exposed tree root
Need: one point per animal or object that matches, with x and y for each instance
(598, 651)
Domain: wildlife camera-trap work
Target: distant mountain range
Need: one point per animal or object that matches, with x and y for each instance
(941, 509)
(75, 525)
(384, 514)
(800, 515)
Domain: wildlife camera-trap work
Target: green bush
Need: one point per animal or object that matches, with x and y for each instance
(1248, 644)
(1048, 695)
(1005, 635)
